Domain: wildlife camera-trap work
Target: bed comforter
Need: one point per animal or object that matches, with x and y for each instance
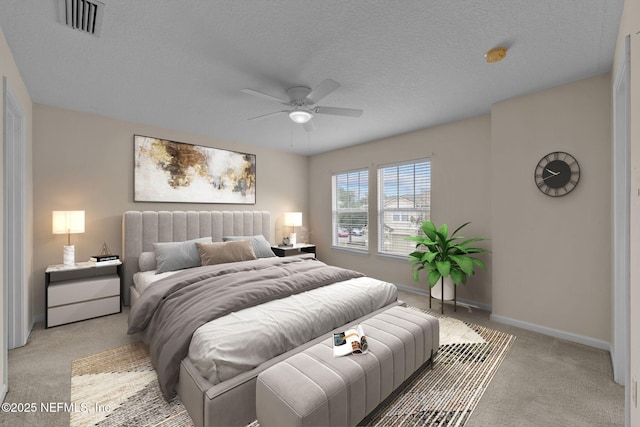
(243, 340)
(170, 311)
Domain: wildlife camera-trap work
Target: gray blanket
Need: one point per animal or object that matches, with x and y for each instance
(173, 308)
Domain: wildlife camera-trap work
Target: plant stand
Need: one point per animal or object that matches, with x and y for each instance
(455, 297)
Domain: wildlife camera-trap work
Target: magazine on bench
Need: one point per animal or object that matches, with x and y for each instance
(351, 341)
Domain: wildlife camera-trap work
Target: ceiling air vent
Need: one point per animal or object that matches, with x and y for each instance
(82, 15)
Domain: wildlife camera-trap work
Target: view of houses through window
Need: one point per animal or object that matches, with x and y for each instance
(404, 202)
(351, 209)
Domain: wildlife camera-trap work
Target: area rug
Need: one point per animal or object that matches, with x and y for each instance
(118, 387)
(468, 357)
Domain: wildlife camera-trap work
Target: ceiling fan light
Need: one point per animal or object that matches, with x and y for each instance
(300, 116)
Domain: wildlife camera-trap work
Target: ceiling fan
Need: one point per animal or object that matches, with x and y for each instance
(303, 100)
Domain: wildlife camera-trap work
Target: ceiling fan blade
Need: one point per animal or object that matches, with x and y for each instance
(309, 126)
(265, 96)
(347, 112)
(323, 89)
(267, 115)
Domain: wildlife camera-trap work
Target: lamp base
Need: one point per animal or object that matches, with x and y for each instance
(69, 255)
(292, 238)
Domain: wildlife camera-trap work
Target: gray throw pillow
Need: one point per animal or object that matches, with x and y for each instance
(261, 247)
(172, 256)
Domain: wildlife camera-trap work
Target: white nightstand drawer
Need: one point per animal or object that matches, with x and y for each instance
(81, 311)
(83, 290)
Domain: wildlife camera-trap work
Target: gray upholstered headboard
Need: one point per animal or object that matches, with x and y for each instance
(140, 230)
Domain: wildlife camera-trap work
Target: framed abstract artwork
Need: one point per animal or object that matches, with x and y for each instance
(169, 171)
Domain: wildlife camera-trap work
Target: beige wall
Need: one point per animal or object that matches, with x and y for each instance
(546, 271)
(85, 161)
(551, 263)
(460, 176)
(630, 26)
(9, 70)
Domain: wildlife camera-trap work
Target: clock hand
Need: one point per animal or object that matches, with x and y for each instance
(552, 172)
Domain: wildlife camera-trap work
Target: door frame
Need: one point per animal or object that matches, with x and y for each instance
(14, 213)
(621, 219)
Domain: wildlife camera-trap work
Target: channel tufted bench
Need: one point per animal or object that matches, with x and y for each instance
(313, 388)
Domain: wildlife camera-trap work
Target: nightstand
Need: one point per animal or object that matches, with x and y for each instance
(300, 248)
(81, 291)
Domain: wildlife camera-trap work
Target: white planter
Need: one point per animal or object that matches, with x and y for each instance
(436, 291)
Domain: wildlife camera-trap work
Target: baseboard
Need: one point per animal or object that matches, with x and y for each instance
(461, 301)
(412, 290)
(580, 339)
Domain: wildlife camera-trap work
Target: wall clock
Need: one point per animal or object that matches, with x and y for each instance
(557, 174)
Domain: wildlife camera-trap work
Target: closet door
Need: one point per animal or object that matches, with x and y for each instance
(634, 235)
(15, 328)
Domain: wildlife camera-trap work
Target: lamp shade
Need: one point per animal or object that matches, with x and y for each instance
(293, 219)
(67, 222)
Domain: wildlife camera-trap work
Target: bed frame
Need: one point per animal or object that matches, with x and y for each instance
(140, 230)
(231, 402)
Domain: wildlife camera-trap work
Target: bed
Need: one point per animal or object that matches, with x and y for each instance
(212, 329)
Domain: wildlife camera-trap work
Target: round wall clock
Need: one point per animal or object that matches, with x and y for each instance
(557, 174)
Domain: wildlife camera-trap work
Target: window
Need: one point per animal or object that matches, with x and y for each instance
(404, 203)
(350, 205)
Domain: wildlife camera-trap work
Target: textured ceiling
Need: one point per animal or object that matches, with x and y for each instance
(408, 64)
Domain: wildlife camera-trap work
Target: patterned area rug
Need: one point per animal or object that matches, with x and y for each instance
(118, 387)
(468, 357)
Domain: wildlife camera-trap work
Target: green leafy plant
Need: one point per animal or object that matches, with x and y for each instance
(442, 255)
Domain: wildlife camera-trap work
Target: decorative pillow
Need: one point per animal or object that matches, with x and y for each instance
(172, 256)
(261, 247)
(147, 261)
(223, 252)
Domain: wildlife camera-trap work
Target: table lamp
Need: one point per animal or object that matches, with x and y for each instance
(68, 222)
(293, 219)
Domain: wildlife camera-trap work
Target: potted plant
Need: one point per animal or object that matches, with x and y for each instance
(444, 256)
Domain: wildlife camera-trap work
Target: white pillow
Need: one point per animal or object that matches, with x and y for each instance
(147, 261)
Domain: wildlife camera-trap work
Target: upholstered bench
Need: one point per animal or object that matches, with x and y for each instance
(314, 388)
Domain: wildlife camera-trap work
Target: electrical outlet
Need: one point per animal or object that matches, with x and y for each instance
(634, 392)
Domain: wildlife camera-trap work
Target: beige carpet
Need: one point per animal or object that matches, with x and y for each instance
(118, 387)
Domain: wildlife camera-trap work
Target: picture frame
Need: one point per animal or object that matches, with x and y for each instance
(171, 171)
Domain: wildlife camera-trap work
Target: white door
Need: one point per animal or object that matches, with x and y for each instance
(15, 307)
(621, 219)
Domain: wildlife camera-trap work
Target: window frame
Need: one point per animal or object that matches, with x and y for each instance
(422, 212)
(347, 245)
